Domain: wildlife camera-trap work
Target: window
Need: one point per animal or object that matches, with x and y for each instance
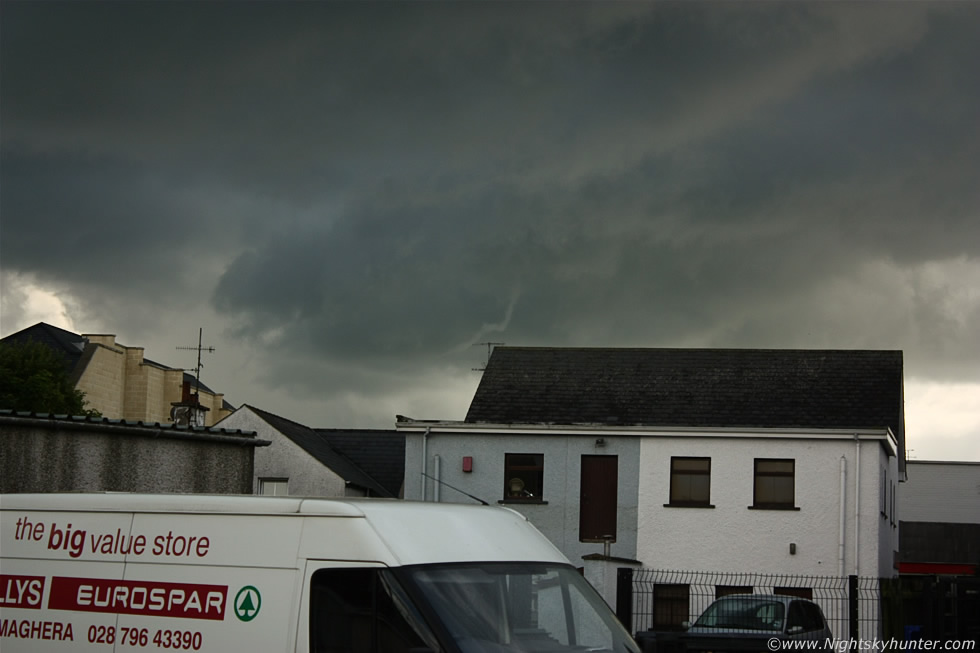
(775, 484)
(894, 518)
(497, 607)
(804, 616)
(742, 613)
(274, 487)
(670, 606)
(523, 476)
(690, 482)
(363, 611)
(798, 592)
(726, 590)
(884, 493)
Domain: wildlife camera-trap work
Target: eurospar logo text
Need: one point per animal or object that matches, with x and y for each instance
(179, 600)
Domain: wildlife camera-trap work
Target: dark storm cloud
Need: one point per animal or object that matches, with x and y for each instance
(381, 185)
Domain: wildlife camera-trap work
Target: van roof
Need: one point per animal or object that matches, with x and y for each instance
(183, 503)
(409, 532)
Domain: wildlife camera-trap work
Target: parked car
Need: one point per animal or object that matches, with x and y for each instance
(744, 622)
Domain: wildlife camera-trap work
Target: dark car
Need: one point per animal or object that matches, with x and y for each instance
(744, 622)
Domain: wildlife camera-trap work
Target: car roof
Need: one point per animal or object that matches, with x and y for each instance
(781, 598)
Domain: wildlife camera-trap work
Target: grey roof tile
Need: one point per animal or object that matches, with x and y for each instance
(751, 388)
(379, 453)
(318, 445)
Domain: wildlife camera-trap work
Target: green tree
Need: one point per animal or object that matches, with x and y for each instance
(34, 378)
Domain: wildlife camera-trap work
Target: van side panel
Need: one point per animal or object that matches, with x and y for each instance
(116, 581)
(129, 572)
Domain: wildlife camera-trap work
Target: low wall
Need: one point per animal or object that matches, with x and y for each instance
(59, 454)
(602, 571)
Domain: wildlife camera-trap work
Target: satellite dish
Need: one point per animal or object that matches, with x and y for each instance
(180, 415)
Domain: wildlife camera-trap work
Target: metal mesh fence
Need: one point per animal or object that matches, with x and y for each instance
(670, 600)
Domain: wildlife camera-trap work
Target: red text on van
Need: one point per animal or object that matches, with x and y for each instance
(21, 591)
(181, 600)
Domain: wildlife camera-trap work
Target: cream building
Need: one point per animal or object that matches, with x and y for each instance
(119, 382)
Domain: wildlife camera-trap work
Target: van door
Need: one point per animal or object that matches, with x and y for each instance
(358, 607)
(210, 583)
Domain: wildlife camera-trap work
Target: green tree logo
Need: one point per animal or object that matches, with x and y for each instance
(248, 601)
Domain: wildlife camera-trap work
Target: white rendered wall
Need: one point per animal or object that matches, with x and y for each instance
(558, 518)
(285, 459)
(732, 537)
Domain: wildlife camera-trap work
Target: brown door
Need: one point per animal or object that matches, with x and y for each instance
(597, 507)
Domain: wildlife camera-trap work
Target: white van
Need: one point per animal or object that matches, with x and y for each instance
(128, 572)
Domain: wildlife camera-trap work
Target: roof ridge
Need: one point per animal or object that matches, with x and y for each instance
(696, 349)
(265, 413)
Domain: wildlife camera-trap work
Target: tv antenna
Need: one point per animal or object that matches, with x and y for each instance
(490, 346)
(197, 370)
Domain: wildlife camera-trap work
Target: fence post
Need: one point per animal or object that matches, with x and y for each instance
(624, 597)
(852, 607)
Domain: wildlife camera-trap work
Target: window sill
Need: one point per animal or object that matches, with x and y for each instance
(773, 508)
(533, 502)
(688, 505)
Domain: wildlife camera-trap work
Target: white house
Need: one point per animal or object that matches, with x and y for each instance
(302, 461)
(779, 461)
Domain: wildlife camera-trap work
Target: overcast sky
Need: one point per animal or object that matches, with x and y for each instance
(348, 197)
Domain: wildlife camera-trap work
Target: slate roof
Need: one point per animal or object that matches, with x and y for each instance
(751, 388)
(318, 445)
(380, 453)
(69, 345)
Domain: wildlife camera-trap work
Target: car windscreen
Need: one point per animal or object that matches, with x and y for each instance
(743, 613)
(496, 607)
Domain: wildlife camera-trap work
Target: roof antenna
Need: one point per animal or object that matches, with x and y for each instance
(197, 370)
(490, 346)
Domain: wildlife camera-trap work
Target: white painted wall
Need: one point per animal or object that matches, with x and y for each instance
(732, 537)
(558, 519)
(285, 459)
(941, 492)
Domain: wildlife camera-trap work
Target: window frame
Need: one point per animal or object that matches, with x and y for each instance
(758, 476)
(525, 472)
(694, 503)
(274, 481)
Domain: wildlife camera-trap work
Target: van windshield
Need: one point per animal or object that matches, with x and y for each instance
(496, 607)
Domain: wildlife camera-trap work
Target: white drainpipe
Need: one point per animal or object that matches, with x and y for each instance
(843, 511)
(437, 472)
(857, 505)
